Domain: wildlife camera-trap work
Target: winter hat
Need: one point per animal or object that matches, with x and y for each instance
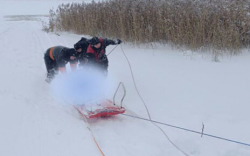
(77, 46)
(72, 52)
(95, 40)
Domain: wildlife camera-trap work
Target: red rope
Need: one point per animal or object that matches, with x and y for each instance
(84, 117)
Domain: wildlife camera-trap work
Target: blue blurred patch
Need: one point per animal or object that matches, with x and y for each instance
(79, 87)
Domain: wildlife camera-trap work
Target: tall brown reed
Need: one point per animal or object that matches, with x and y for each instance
(211, 24)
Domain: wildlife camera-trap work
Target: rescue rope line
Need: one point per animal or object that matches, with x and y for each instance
(189, 130)
(170, 140)
(89, 128)
(147, 107)
(135, 83)
(112, 50)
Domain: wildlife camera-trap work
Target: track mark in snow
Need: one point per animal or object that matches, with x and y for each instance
(9, 29)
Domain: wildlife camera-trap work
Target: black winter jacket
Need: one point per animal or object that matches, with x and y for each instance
(106, 42)
(62, 55)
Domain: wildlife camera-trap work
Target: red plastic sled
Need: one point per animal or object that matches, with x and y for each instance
(102, 108)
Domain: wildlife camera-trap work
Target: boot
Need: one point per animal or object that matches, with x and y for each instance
(50, 76)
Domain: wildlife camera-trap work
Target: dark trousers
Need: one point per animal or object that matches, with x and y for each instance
(50, 64)
(105, 64)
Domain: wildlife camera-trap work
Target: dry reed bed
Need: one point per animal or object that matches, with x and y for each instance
(208, 24)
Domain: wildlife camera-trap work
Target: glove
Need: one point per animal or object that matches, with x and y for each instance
(118, 41)
(104, 58)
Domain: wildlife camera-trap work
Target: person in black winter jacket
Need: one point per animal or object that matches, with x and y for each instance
(56, 59)
(95, 51)
(81, 47)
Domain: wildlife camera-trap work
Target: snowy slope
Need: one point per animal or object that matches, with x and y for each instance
(181, 88)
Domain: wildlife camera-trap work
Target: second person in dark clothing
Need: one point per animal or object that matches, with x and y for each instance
(81, 47)
(95, 52)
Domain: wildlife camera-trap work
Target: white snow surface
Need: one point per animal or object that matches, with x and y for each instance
(180, 88)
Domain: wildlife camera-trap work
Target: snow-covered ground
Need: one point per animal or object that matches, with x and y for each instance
(179, 87)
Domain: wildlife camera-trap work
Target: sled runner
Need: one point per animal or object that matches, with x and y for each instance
(102, 108)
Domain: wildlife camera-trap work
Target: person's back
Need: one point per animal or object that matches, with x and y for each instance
(62, 55)
(57, 50)
(56, 59)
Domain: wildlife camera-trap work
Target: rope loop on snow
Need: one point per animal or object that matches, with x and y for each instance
(147, 107)
(132, 73)
(124, 93)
